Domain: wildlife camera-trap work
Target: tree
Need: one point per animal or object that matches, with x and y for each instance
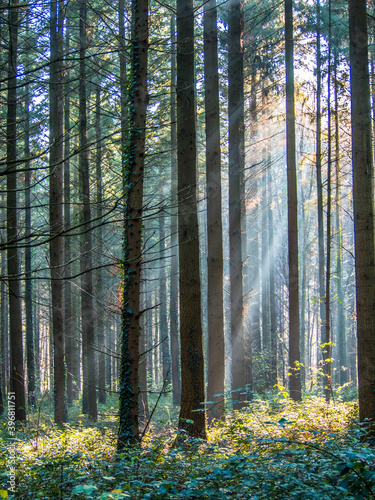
(70, 350)
(363, 197)
(17, 375)
(30, 356)
(56, 198)
(327, 340)
(322, 309)
(215, 305)
(176, 383)
(132, 258)
(192, 417)
(294, 349)
(87, 304)
(236, 165)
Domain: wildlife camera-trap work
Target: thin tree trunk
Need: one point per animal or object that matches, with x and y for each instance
(254, 341)
(30, 357)
(132, 266)
(165, 347)
(56, 199)
(99, 235)
(266, 344)
(322, 309)
(236, 164)
(69, 341)
(87, 304)
(271, 259)
(215, 303)
(192, 362)
(341, 335)
(17, 375)
(327, 341)
(175, 353)
(294, 350)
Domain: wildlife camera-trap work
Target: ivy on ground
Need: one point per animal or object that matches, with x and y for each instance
(271, 449)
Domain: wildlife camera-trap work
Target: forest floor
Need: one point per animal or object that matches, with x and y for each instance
(272, 449)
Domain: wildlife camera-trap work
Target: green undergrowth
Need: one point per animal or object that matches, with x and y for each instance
(270, 449)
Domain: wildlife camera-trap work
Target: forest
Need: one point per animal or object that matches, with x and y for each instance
(187, 261)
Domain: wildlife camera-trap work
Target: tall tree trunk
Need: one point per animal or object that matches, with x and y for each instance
(175, 354)
(192, 362)
(87, 304)
(17, 375)
(133, 186)
(341, 336)
(144, 413)
(215, 303)
(265, 266)
(363, 209)
(236, 164)
(163, 312)
(294, 349)
(55, 214)
(99, 235)
(254, 341)
(327, 341)
(70, 343)
(322, 309)
(30, 357)
(271, 259)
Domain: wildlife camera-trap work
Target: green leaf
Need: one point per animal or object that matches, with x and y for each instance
(85, 489)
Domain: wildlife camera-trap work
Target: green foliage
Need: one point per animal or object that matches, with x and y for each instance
(272, 449)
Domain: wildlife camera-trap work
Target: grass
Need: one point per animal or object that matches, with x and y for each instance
(273, 448)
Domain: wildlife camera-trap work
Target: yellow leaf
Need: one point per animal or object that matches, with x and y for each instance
(3, 494)
(116, 491)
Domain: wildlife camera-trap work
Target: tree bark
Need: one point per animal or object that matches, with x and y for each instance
(99, 235)
(363, 209)
(236, 164)
(192, 415)
(322, 310)
(87, 304)
(55, 207)
(327, 350)
(133, 187)
(215, 303)
(341, 335)
(294, 349)
(17, 375)
(30, 356)
(175, 352)
(70, 343)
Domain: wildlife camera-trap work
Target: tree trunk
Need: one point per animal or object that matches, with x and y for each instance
(215, 305)
(99, 236)
(175, 352)
(363, 209)
(70, 343)
(236, 164)
(17, 375)
(327, 341)
(56, 199)
(163, 312)
(30, 357)
(133, 187)
(322, 310)
(87, 304)
(192, 415)
(271, 260)
(294, 350)
(341, 336)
